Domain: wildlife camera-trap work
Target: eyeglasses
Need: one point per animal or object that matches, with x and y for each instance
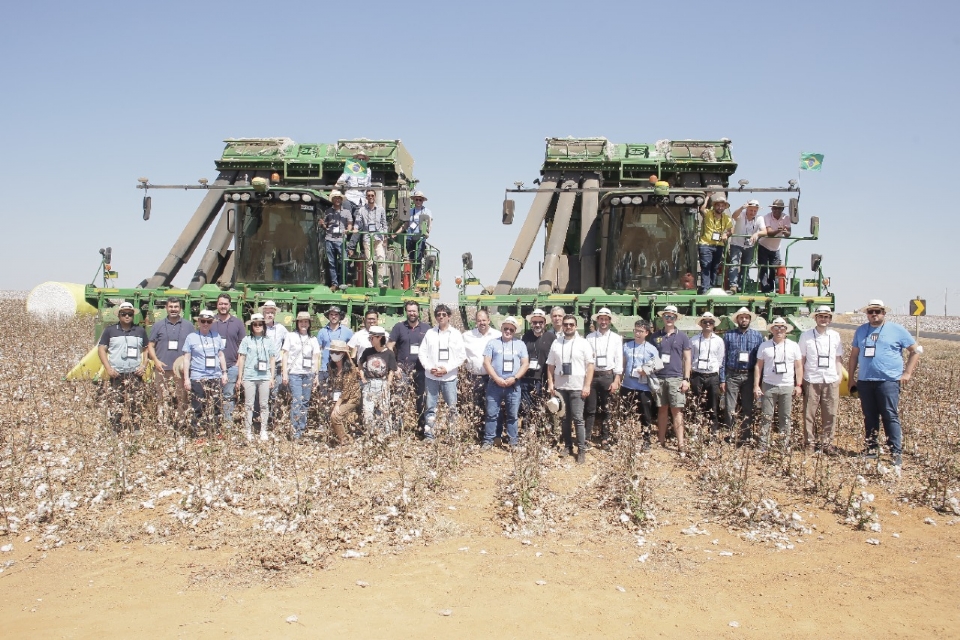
(669, 316)
(569, 324)
(507, 329)
(206, 320)
(257, 324)
(823, 315)
(441, 314)
(126, 314)
(778, 328)
(707, 322)
(418, 199)
(874, 312)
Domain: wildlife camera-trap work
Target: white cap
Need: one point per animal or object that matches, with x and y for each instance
(779, 322)
(268, 303)
(206, 313)
(126, 305)
(823, 309)
(510, 320)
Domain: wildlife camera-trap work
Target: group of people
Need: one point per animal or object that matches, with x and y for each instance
(574, 377)
(748, 236)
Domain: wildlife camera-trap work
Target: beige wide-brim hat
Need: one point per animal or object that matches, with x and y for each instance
(419, 194)
(707, 316)
(555, 405)
(255, 318)
(743, 311)
(779, 322)
(876, 304)
(823, 309)
(304, 315)
(603, 312)
(335, 194)
(669, 309)
(342, 347)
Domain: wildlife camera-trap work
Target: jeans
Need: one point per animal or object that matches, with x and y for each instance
(880, 400)
(301, 384)
(334, 251)
(705, 388)
(253, 390)
(640, 403)
(711, 259)
(573, 418)
(740, 256)
(598, 400)
(206, 398)
(780, 398)
(510, 396)
(436, 388)
(531, 390)
(739, 385)
(767, 259)
(229, 393)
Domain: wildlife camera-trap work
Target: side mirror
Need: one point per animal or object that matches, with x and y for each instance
(815, 226)
(794, 211)
(815, 260)
(467, 261)
(508, 208)
(107, 255)
(147, 203)
(231, 219)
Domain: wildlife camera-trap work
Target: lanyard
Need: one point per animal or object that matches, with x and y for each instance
(709, 348)
(260, 347)
(203, 347)
(816, 342)
(606, 344)
(302, 342)
(877, 334)
(633, 354)
(563, 346)
(784, 361)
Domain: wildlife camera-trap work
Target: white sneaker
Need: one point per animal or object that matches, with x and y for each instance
(249, 435)
(264, 436)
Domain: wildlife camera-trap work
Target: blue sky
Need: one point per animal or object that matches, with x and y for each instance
(96, 95)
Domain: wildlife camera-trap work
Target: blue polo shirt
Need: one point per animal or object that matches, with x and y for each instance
(325, 336)
(500, 351)
(671, 348)
(635, 356)
(890, 340)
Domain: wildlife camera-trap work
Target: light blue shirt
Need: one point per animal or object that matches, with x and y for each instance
(635, 356)
(499, 351)
(325, 336)
(415, 215)
(201, 348)
(890, 340)
(255, 350)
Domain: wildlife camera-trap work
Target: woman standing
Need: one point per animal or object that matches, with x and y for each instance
(300, 361)
(344, 381)
(377, 366)
(207, 374)
(256, 359)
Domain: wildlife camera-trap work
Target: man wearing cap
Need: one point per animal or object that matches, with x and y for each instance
(123, 354)
(877, 351)
(231, 329)
(325, 337)
(377, 367)
(822, 370)
(742, 247)
(674, 377)
(505, 361)
(166, 338)
(641, 360)
(776, 226)
(300, 355)
(355, 181)
(440, 355)
(538, 342)
(405, 340)
(777, 378)
(337, 222)
(569, 374)
(740, 347)
(371, 224)
(607, 348)
(475, 343)
(707, 354)
(360, 341)
(715, 228)
(417, 230)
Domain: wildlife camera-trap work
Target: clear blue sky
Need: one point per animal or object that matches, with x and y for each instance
(96, 95)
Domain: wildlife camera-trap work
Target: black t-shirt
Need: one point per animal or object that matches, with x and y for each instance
(377, 364)
(538, 349)
(405, 337)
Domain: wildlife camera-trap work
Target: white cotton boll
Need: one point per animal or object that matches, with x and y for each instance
(7, 548)
(872, 541)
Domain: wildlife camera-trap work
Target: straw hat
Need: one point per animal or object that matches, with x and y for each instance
(743, 311)
(669, 309)
(269, 304)
(419, 194)
(206, 313)
(707, 316)
(876, 303)
(304, 315)
(335, 194)
(823, 310)
(555, 405)
(257, 317)
(510, 320)
(779, 322)
(603, 312)
(537, 313)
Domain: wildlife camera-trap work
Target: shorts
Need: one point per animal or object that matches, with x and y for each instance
(669, 394)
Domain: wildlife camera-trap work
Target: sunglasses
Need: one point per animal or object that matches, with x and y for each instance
(257, 324)
(538, 322)
(778, 328)
(875, 312)
(126, 314)
(707, 322)
(669, 316)
(206, 321)
(569, 324)
(441, 314)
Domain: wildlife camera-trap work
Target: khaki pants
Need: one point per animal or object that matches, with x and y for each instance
(339, 418)
(377, 251)
(826, 397)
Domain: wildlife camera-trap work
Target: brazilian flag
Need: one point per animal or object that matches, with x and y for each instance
(811, 161)
(354, 167)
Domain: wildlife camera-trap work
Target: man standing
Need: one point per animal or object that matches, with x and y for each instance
(505, 361)
(640, 360)
(123, 353)
(607, 373)
(780, 368)
(475, 343)
(325, 337)
(337, 222)
(440, 355)
(569, 374)
(418, 229)
(405, 339)
(707, 380)
(715, 229)
(371, 224)
(356, 176)
(360, 341)
(742, 246)
(776, 226)
(822, 370)
(674, 347)
(232, 331)
(538, 343)
(740, 348)
(277, 333)
(877, 350)
(166, 339)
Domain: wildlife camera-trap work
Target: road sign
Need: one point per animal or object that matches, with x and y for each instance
(918, 307)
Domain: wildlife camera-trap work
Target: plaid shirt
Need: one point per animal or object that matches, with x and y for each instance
(735, 342)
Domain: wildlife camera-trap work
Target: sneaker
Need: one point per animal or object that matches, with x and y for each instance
(486, 446)
(581, 456)
(646, 447)
(733, 289)
(249, 435)
(566, 452)
(869, 453)
(897, 460)
(264, 436)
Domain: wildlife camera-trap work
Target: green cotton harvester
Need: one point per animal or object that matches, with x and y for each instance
(622, 224)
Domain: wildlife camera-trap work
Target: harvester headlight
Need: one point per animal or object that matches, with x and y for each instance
(294, 197)
(678, 199)
(615, 201)
(689, 200)
(306, 197)
(284, 197)
(699, 199)
(637, 199)
(244, 196)
(626, 200)
(235, 197)
(226, 197)
(260, 184)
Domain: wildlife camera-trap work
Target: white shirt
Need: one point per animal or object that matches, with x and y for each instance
(474, 344)
(820, 352)
(772, 224)
(299, 349)
(278, 333)
(607, 351)
(442, 349)
(354, 185)
(361, 342)
(706, 354)
(772, 354)
(744, 227)
(578, 353)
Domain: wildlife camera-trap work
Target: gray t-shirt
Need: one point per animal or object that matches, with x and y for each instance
(337, 222)
(167, 338)
(124, 348)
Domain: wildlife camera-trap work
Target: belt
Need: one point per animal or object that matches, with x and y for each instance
(610, 371)
(704, 374)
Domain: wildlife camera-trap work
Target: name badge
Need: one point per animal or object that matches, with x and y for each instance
(665, 358)
(172, 345)
(414, 349)
(743, 356)
(444, 355)
(211, 362)
(261, 365)
(335, 229)
(566, 368)
(307, 363)
(823, 362)
(508, 366)
(534, 365)
(779, 367)
(132, 352)
(602, 361)
(636, 373)
(336, 395)
(714, 236)
(869, 352)
(703, 365)
(371, 227)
